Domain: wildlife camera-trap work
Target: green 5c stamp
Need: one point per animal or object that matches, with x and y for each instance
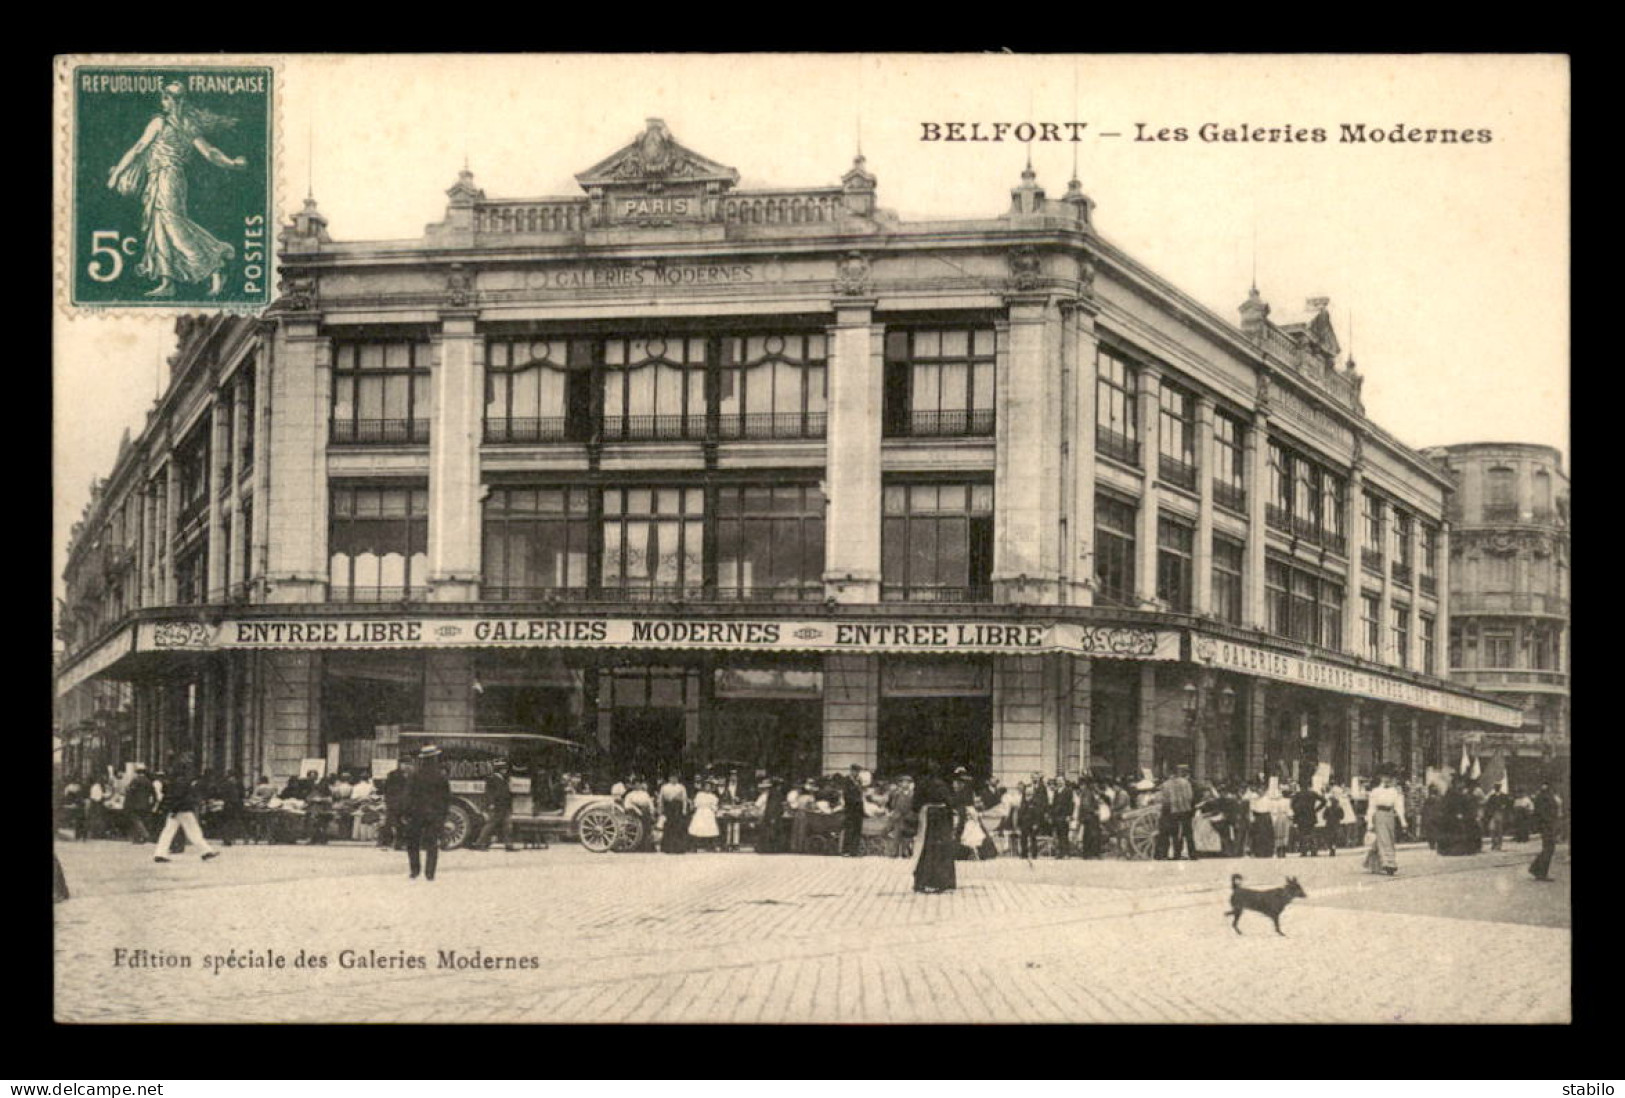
(172, 186)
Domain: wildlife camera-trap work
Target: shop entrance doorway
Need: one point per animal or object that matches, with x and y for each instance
(943, 732)
(648, 742)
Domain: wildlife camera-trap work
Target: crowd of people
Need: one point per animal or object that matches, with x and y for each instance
(720, 808)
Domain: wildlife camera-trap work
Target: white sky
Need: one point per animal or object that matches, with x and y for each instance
(1453, 259)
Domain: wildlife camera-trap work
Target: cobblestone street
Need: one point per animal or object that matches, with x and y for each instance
(742, 938)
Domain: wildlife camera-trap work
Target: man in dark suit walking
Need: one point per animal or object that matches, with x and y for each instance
(393, 833)
(852, 813)
(1063, 803)
(498, 808)
(1033, 816)
(428, 796)
(1548, 814)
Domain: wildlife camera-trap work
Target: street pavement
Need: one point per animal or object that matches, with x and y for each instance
(745, 938)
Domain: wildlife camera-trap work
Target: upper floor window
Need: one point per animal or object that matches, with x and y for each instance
(192, 576)
(654, 542)
(1175, 556)
(1279, 510)
(1228, 565)
(1117, 407)
(1404, 523)
(1229, 462)
(654, 388)
(1430, 549)
(1114, 550)
(381, 391)
(246, 411)
(773, 386)
(1500, 494)
(1430, 634)
(1497, 648)
(1543, 494)
(1375, 531)
(377, 542)
(192, 469)
(936, 542)
(1498, 571)
(536, 540)
(1371, 618)
(538, 390)
(770, 541)
(1333, 521)
(1402, 634)
(1176, 437)
(940, 381)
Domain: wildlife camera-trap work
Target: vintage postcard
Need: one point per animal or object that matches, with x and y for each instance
(797, 538)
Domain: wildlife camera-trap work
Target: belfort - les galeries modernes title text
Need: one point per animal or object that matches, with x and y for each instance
(1215, 133)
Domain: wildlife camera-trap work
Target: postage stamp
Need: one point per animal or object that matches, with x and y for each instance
(171, 174)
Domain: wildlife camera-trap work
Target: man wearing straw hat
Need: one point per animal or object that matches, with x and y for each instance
(428, 796)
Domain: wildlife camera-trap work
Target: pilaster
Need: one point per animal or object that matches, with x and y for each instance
(1146, 724)
(1202, 562)
(1441, 626)
(454, 462)
(1145, 538)
(1415, 661)
(1026, 493)
(856, 396)
(1255, 615)
(1078, 567)
(851, 711)
(218, 546)
(1353, 585)
(295, 506)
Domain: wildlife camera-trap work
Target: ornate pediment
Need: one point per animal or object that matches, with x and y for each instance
(654, 159)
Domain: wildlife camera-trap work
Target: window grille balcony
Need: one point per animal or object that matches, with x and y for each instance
(1232, 496)
(894, 592)
(1429, 584)
(653, 428)
(1277, 519)
(946, 423)
(528, 429)
(1401, 573)
(1115, 444)
(1371, 560)
(380, 431)
(1181, 474)
(755, 425)
(792, 592)
(378, 594)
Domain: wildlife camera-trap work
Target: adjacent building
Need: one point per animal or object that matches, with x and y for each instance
(1509, 599)
(696, 472)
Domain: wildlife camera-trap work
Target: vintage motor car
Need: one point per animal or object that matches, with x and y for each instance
(542, 806)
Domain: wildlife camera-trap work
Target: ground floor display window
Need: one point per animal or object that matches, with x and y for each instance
(530, 692)
(649, 711)
(766, 718)
(1113, 718)
(362, 690)
(935, 713)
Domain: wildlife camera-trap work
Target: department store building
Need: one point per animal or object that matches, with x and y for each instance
(698, 473)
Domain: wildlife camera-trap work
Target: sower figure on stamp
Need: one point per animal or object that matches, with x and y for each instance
(428, 796)
(176, 248)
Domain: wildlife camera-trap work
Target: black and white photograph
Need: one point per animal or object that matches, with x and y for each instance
(811, 538)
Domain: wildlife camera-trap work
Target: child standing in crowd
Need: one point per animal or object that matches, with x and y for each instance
(702, 828)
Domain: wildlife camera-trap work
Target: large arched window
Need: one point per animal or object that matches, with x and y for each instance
(654, 387)
(537, 390)
(773, 386)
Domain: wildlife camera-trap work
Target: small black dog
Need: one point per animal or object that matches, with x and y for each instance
(1269, 901)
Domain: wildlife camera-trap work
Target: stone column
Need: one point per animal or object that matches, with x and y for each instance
(1256, 614)
(1146, 719)
(851, 711)
(1202, 561)
(1384, 733)
(454, 462)
(1441, 622)
(856, 398)
(1082, 712)
(172, 507)
(1079, 556)
(1358, 763)
(1414, 659)
(1145, 540)
(1353, 522)
(1385, 604)
(295, 505)
(1257, 724)
(218, 546)
(1026, 492)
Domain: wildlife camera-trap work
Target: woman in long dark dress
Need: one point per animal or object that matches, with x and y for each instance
(938, 841)
(674, 811)
(770, 836)
(1459, 832)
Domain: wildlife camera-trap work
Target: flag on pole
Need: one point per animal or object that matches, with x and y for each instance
(1476, 771)
(1466, 762)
